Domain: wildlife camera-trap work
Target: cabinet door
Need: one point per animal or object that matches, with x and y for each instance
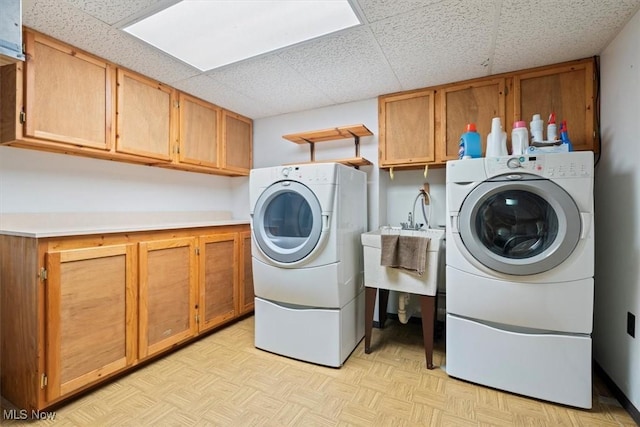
(246, 298)
(407, 131)
(90, 316)
(218, 279)
(145, 117)
(566, 90)
(68, 95)
(198, 132)
(474, 102)
(237, 140)
(167, 300)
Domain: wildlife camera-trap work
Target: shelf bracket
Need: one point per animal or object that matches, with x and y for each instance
(312, 149)
(356, 140)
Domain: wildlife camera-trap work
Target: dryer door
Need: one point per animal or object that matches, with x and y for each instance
(519, 224)
(287, 221)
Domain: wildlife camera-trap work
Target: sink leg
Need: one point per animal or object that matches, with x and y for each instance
(428, 311)
(369, 306)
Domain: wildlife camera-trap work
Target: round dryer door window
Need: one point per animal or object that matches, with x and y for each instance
(287, 221)
(519, 224)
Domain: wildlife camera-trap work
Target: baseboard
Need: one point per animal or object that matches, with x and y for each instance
(626, 404)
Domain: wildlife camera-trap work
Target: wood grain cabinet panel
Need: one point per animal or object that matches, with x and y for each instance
(145, 111)
(237, 140)
(199, 132)
(474, 102)
(567, 90)
(90, 324)
(218, 279)
(64, 100)
(167, 284)
(406, 137)
(407, 128)
(78, 310)
(246, 298)
(68, 95)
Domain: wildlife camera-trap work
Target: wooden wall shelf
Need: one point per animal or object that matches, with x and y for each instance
(333, 134)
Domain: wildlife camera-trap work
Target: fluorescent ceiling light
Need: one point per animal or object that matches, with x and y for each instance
(211, 33)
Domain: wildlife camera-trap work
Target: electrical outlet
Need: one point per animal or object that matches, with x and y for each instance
(631, 324)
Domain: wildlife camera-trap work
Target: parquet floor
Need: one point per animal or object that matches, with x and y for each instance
(223, 380)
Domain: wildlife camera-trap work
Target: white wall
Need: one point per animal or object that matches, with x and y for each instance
(270, 149)
(617, 202)
(36, 181)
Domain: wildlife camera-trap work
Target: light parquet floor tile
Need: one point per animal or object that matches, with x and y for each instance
(223, 380)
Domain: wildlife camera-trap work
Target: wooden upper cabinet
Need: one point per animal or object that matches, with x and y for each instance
(168, 289)
(407, 128)
(91, 312)
(568, 91)
(218, 279)
(145, 119)
(473, 102)
(237, 140)
(199, 132)
(68, 95)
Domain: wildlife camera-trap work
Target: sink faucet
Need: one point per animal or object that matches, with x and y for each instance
(410, 221)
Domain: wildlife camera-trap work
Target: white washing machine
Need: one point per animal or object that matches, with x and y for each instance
(307, 260)
(519, 271)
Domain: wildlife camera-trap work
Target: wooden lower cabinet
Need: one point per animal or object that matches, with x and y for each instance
(167, 294)
(90, 297)
(77, 310)
(218, 279)
(246, 298)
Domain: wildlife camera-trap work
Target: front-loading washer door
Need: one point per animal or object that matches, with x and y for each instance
(287, 221)
(519, 224)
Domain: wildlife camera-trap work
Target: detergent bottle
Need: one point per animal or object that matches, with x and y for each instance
(519, 138)
(470, 146)
(536, 128)
(497, 139)
(552, 129)
(564, 136)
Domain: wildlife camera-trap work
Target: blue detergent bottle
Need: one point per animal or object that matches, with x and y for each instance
(470, 143)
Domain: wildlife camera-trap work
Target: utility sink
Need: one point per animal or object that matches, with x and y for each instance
(379, 280)
(394, 279)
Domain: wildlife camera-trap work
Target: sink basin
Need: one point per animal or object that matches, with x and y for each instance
(396, 279)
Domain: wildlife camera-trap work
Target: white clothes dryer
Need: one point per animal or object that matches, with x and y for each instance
(306, 222)
(519, 271)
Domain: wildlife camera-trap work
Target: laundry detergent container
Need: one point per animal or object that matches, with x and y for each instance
(397, 279)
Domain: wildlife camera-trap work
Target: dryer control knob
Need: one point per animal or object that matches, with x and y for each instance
(286, 172)
(513, 163)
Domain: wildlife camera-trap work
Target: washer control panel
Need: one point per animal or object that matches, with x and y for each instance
(306, 174)
(569, 165)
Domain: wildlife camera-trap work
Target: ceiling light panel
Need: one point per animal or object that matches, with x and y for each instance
(208, 34)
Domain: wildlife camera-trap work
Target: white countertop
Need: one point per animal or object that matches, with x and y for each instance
(60, 224)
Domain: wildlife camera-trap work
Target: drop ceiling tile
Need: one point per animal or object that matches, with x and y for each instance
(376, 10)
(113, 11)
(271, 79)
(345, 66)
(446, 43)
(553, 32)
(68, 24)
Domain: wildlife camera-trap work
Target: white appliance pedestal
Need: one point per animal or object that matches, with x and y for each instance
(322, 336)
(548, 366)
